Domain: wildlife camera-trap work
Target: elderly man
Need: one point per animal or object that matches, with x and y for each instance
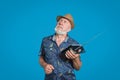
(55, 67)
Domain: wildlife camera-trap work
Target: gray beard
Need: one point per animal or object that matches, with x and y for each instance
(59, 31)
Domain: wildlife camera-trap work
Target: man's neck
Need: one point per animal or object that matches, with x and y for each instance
(60, 38)
(61, 35)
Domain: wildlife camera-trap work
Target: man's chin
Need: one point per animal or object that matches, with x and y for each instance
(61, 33)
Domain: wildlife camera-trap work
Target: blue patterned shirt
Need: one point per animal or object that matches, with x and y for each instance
(63, 69)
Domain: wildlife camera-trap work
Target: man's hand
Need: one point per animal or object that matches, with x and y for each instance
(75, 59)
(48, 68)
(71, 55)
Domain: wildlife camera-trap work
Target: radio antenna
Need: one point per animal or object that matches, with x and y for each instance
(92, 38)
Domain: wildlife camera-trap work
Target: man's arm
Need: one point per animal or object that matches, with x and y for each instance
(42, 62)
(47, 67)
(77, 63)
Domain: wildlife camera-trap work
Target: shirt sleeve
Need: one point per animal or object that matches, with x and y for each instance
(41, 51)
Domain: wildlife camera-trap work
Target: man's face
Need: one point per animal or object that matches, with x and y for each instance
(63, 25)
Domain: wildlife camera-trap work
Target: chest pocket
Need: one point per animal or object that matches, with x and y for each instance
(49, 51)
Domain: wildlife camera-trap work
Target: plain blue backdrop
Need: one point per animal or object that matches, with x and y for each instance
(23, 24)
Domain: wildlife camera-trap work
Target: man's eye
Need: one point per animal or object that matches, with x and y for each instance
(61, 20)
(64, 21)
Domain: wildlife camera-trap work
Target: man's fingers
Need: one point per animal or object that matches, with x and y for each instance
(66, 55)
(75, 55)
(48, 71)
(51, 67)
(71, 55)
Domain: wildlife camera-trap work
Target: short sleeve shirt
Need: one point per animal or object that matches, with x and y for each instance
(63, 69)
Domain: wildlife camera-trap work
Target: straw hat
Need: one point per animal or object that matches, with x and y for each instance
(68, 17)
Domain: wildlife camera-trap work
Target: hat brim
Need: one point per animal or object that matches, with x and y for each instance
(59, 17)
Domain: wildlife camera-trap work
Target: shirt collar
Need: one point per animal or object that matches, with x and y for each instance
(53, 38)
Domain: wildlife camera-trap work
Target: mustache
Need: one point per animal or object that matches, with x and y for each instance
(59, 26)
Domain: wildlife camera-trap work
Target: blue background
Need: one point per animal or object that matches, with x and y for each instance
(23, 24)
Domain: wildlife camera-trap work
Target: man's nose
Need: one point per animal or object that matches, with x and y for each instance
(60, 23)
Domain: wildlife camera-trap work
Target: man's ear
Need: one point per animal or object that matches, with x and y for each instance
(69, 30)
